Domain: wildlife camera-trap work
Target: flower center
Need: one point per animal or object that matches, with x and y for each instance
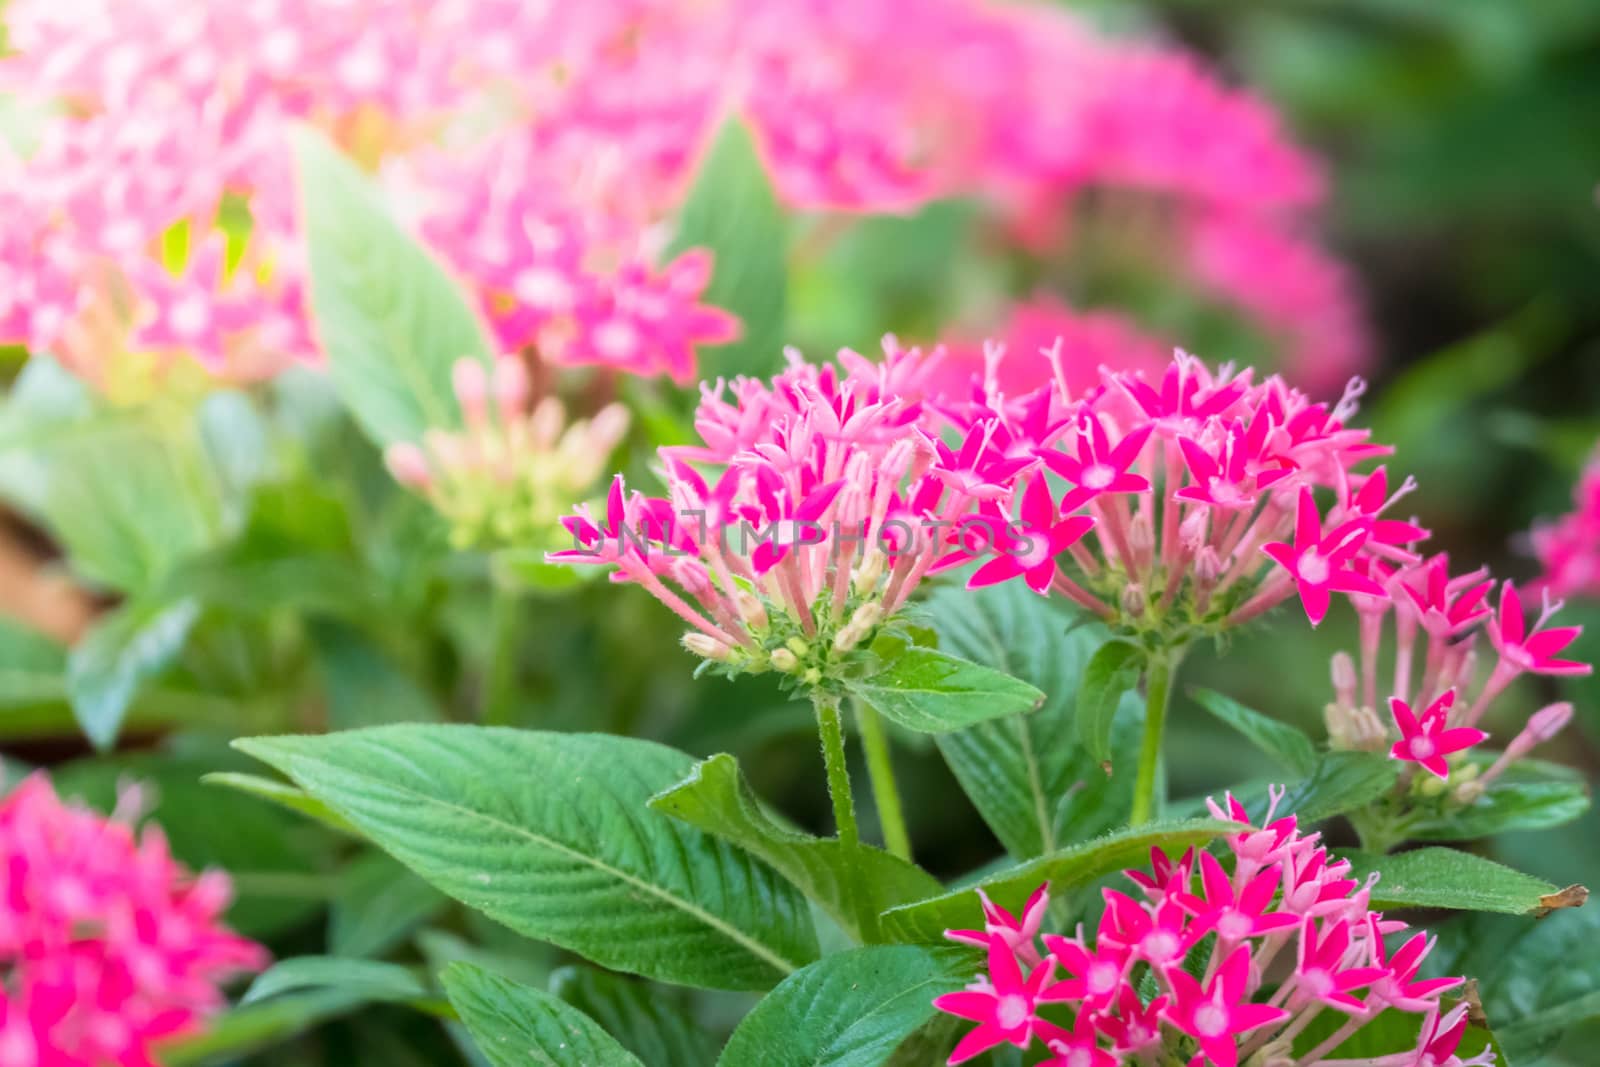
(1225, 493)
(1102, 977)
(1012, 1011)
(190, 317)
(1422, 747)
(1317, 982)
(1158, 946)
(1098, 476)
(1210, 1020)
(1313, 567)
(543, 288)
(1234, 926)
(1078, 1057)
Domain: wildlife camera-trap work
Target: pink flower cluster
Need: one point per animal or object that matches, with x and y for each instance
(107, 945)
(543, 147)
(1181, 970)
(1182, 506)
(1569, 548)
(1435, 697)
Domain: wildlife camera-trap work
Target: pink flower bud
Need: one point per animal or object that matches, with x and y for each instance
(1344, 679)
(471, 382)
(511, 387)
(408, 464)
(1548, 721)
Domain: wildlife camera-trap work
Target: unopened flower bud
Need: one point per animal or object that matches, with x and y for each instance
(1548, 721)
(707, 647)
(1192, 531)
(784, 660)
(1133, 604)
(798, 646)
(544, 425)
(1343, 669)
(870, 572)
(1207, 566)
(511, 386)
(812, 676)
(408, 464)
(1353, 727)
(471, 382)
(750, 609)
(1468, 792)
(1141, 536)
(865, 618)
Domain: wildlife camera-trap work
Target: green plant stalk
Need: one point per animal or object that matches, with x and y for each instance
(880, 769)
(1158, 694)
(831, 729)
(500, 679)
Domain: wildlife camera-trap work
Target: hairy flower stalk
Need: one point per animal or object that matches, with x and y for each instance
(506, 478)
(108, 947)
(1218, 962)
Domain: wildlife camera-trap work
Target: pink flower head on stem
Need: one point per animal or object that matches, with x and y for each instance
(1427, 739)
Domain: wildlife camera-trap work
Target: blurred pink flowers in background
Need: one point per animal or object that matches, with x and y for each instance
(1568, 548)
(543, 149)
(107, 945)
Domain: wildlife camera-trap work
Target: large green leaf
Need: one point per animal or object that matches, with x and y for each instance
(283, 795)
(1112, 671)
(516, 1026)
(121, 652)
(389, 317)
(551, 835)
(732, 211)
(933, 692)
(647, 1020)
(1449, 878)
(1067, 868)
(850, 1009)
(1341, 782)
(1034, 785)
(1282, 742)
(843, 881)
(1538, 978)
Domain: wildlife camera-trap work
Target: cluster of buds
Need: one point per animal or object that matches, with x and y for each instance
(1437, 698)
(508, 475)
(1568, 549)
(1178, 971)
(107, 945)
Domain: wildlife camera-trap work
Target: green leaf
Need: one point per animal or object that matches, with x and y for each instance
(379, 902)
(1112, 671)
(1068, 868)
(850, 1009)
(389, 316)
(233, 1035)
(732, 211)
(1282, 742)
(648, 1020)
(371, 980)
(1538, 978)
(282, 794)
(32, 666)
(1034, 785)
(120, 652)
(516, 1026)
(1508, 806)
(551, 835)
(1341, 782)
(933, 692)
(1449, 878)
(717, 799)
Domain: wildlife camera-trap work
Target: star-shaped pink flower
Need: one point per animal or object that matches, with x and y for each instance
(1323, 564)
(1427, 739)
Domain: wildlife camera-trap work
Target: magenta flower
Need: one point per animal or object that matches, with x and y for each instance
(1427, 739)
(1217, 1013)
(1533, 652)
(1322, 564)
(1447, 605)
(1399, 987)
(1100, 467)
(1324, 972)
(1030, 547)
(1019, 935)
(1003, 1006)
(1235, 916)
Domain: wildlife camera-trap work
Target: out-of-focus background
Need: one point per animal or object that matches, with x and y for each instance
(1462, 163)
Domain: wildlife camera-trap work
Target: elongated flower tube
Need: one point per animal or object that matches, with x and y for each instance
(1181, 970)
(108, 947)
(506, 478)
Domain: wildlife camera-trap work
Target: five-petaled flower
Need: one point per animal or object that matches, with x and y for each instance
(1428, 738)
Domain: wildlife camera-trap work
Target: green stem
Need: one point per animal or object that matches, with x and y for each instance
(500, 680)
(831, 728)
(1158, 693)
(885, 794)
